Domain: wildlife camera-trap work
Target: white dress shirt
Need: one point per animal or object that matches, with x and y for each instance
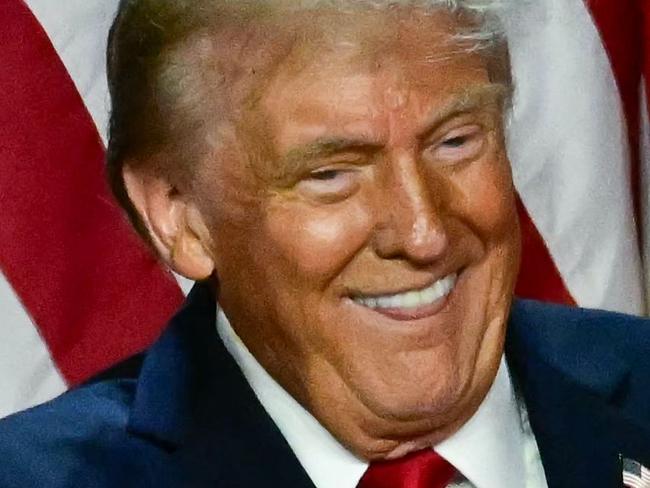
(494, 449)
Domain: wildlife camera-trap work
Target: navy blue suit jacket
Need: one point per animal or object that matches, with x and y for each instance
(183, 415)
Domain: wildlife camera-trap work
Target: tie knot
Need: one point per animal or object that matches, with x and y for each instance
(422, 469)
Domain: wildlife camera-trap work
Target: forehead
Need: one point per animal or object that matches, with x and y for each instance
(359, 73)
(364, 76)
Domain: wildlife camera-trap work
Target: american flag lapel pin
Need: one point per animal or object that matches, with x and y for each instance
(635, 474)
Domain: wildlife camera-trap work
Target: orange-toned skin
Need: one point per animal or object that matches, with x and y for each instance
(371, 162)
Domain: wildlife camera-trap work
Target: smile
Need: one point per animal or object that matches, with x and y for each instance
(411, 299)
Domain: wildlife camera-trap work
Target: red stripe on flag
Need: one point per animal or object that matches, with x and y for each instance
(645, 5)
(90, 286)
(539, 277)
(621, 27)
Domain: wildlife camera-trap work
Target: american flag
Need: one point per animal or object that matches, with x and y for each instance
(78, 291)
(635, 475)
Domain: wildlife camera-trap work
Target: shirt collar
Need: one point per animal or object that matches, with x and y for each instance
(489, 449)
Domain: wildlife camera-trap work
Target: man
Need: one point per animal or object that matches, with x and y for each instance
(334, 173)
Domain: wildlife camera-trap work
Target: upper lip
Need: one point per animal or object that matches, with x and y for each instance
(403, 289)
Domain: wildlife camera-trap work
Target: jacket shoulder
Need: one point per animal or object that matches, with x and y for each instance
(594, 347)
(78, 439)
(559, 323)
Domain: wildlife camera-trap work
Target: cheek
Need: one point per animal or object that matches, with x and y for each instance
(483, 196)
(318, 241)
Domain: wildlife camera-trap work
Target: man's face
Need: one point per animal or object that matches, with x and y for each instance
(364, 229)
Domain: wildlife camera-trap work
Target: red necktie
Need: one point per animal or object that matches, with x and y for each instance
(423, 469)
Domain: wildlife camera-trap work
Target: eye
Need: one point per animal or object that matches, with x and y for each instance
(329, 184)
(459, 144)
(325, 175)
(457, 141)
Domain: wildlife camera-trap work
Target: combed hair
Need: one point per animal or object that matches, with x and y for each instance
(156, 109)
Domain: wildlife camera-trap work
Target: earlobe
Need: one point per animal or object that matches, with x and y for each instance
(175, 227)
(190, 254)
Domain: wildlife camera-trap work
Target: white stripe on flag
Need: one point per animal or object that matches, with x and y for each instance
(631, 481)
(28, 374)
(644, 138)
(185, 284)
(78, 30)
(645, 474)
(568, 145)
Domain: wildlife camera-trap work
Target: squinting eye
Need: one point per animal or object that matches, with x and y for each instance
(459, 144)
(455, 141)
(329, 184)
(328, 174)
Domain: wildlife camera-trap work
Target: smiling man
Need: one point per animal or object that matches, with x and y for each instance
(334, 176)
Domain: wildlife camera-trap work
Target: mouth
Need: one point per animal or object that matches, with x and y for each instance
(411, 304)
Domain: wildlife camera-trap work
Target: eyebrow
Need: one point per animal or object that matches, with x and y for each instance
(327, 146)
(470, 99)
(299, 158)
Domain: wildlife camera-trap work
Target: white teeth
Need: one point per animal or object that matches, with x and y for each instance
(414, 298)
(411, 299)
(380, 302)
(430, 294)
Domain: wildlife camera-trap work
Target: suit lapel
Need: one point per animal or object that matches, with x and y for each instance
(575, 388)
(193, 399)
(575, 448)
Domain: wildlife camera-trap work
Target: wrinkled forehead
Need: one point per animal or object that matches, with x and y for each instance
(404, 43)
(367, 77)
(248, 57)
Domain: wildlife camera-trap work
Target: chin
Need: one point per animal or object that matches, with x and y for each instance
(420, 398)
(437, 398)
(417, 420)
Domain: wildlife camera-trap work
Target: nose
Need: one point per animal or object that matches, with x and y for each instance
(410, 224)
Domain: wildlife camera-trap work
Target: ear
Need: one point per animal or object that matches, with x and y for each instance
(176, 227)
